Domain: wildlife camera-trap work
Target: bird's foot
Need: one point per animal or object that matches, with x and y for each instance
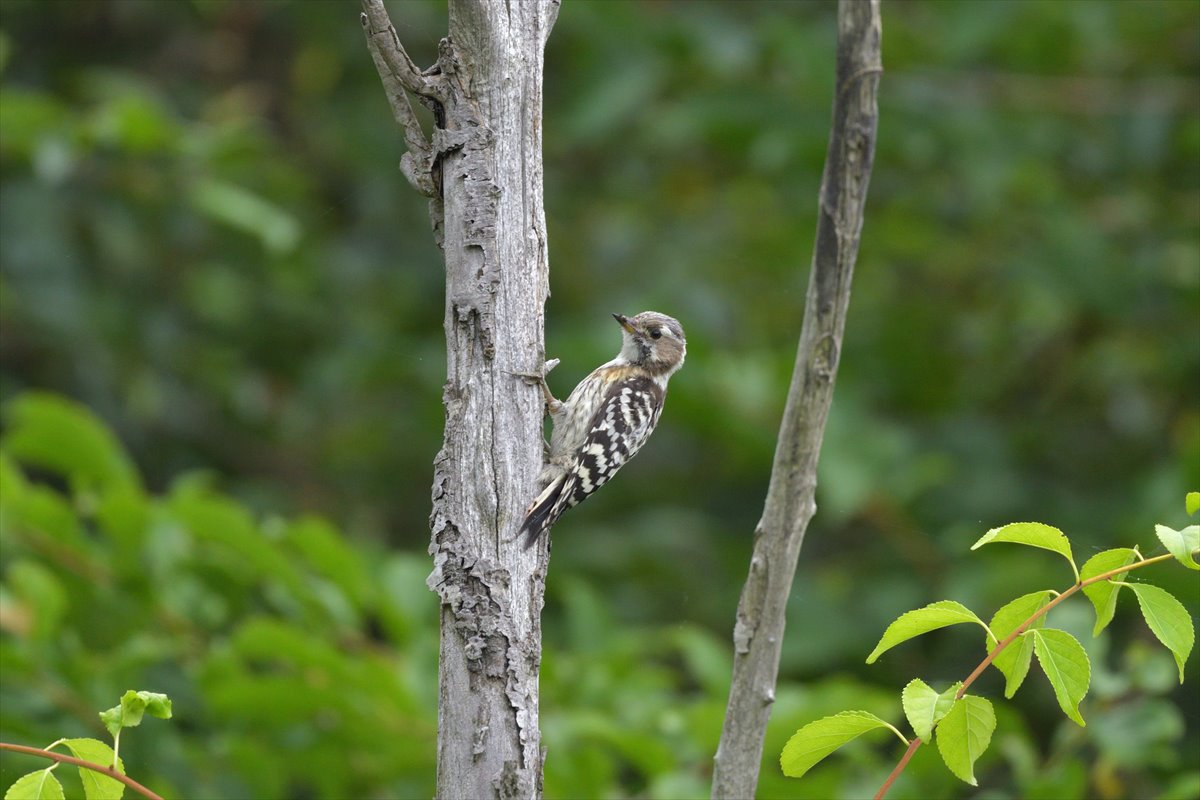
(538, 379)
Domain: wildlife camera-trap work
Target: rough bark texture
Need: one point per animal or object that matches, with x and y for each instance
(758, 631)
(482, 169)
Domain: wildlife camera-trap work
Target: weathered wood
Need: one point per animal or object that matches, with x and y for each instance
(483, 163)
(758, 631)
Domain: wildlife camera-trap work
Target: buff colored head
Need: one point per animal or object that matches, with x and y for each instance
(653, 340)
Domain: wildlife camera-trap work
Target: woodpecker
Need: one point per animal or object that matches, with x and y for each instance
(607, 418)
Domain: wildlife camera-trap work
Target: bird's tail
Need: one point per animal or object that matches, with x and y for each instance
(544, 511)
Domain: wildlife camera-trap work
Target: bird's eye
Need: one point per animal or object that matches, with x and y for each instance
(656, 334)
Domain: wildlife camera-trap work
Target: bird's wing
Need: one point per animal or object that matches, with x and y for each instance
(618, 429)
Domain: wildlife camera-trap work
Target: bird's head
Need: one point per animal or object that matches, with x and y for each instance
(652, 340)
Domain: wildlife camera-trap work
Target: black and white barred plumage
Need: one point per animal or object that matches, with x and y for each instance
(607, 418)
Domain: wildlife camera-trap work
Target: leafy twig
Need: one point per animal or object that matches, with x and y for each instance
(1012, 637)
(79, 762)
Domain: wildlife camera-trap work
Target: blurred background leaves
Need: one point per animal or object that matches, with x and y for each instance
(205, 243)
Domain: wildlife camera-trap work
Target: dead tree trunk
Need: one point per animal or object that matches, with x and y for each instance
(758, 631)
(482, 169)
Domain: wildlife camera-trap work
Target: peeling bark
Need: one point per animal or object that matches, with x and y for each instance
(482, 168)
(758, 631)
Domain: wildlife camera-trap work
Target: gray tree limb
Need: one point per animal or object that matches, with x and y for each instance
(482, 167)
(758, 630)
(400, 76)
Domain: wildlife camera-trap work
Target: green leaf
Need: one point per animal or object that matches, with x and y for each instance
(1103, 594)
(1034, 534)
(13, 487)
(43, 597)
(925, 707)
(923, 620)
(42, 511)
(328, 554)
(136, 121)
(133, 704)
(964, 735)
(246, 211)
(226, 528)
(113, 720)
(705, 657)
(1181, 544)
(29, 117)
(96, 785)
(123, 515)
(818, 739)
(1168, 619)
(60, 435)
(1013, 661)
(40, 785)
(12, 480)
(1065, 663)
(1192, 502)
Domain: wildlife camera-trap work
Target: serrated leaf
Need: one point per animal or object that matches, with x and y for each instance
(818, 739)
(1066, 664)
(1013, 661)
(1192, 502)
(925, 707)
(96, 785)
(1103, 594)
(1181, 544)
(964, 735)
(1033, 534)
(1168, 619)
(40, 785)
(923, 620)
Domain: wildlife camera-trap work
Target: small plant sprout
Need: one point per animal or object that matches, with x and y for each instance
(100, 768)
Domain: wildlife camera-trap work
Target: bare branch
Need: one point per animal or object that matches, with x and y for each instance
(382, 39)
(758, 631)
(400, 75)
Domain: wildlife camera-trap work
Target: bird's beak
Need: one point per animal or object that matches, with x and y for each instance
(623, 321)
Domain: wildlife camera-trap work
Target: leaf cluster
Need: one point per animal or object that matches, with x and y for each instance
(268, 630)
(43, 785)
(291, 654)
(962, 723)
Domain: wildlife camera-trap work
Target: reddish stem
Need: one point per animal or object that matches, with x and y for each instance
(79, 762)
(915, 743)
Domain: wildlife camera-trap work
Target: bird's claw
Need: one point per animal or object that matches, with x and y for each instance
(553, 405)
(537, 378)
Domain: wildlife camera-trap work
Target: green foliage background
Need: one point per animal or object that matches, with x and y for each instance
(204, 242)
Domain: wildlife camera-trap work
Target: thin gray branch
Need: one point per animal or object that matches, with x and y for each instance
(758, 631)
(400, 75)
